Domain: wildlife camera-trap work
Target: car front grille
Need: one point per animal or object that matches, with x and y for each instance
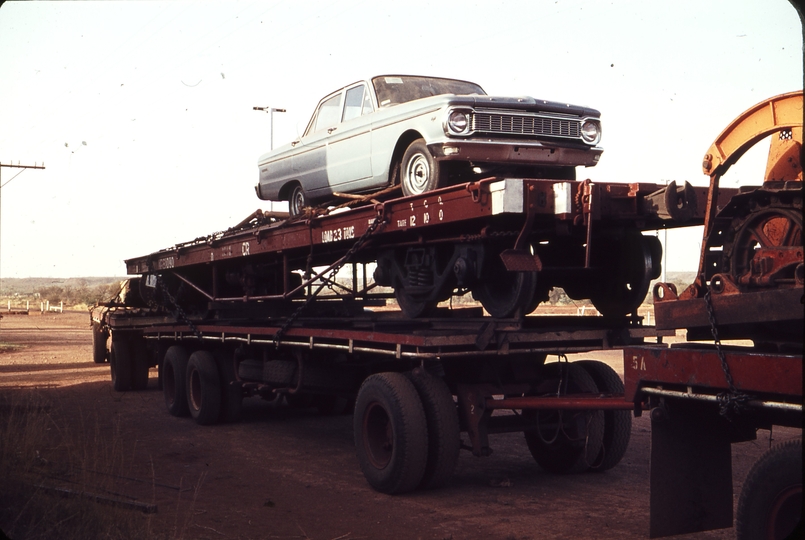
(526, 124)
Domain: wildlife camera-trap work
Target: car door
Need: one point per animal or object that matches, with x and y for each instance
(349, 146)
(310, 160)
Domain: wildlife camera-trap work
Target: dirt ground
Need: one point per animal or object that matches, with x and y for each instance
(285, 473)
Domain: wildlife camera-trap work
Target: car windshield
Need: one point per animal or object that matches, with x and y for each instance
(392, 90)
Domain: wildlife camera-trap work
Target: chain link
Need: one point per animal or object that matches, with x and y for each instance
(345, 259)
(733, 402)
(493, 234)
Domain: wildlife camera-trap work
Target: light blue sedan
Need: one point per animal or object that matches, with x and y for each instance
(423, 133)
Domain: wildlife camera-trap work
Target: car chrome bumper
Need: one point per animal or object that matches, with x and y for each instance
(514, 152)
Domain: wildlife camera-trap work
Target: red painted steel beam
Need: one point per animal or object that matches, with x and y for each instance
(752, 372)
(567, 402)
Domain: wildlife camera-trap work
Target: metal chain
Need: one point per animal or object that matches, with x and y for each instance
(732, 402)
(177, 311)
(493, 234)
(345, 259)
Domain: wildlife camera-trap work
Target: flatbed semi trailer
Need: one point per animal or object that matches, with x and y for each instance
(261, 310)
(741, 369)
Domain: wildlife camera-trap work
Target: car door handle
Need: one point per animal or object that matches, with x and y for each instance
(330, 130)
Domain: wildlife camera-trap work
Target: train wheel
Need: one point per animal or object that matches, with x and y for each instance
(412, 308)
(770, 506)
(140, 364)
(99, 339)
(444, 436)
(391, 433)
(203, 388)
(120, 363)
(174, 384)
(419, 171)
(627, 265)
(617, 424)
(502, 293)
(565, 441)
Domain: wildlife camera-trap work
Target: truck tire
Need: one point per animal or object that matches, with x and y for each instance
(770, 505)
(174, 383)
(391, 433)
(140, 364)
(617, 424)
(120, 364)
(419, 172)
(99, 339)
(444, 434)
(574, 444)
(203, 388)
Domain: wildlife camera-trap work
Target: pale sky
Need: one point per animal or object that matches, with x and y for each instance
(142, 111)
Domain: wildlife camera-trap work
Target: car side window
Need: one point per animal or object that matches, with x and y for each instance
(329, 113)
(353, 104)
(367, 103)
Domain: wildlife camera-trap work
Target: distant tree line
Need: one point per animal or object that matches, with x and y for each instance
(81, 293)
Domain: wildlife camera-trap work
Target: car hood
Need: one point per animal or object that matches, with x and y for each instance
(525, 103)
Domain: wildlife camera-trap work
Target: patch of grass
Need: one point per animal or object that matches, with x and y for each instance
(52, 478)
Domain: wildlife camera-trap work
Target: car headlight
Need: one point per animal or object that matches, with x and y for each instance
(458, 122)
(591, 131)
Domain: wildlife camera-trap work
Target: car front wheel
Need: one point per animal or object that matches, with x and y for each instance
(419, 172)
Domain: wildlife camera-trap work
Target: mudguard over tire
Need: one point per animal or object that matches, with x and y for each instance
(444, 435)
(99, 339)
(617, 424)
(565, 441)
(231, 388)
(770, 506)
(120, 364)
(140, 364)
(203, 388)
(391, 433)
(174, 385)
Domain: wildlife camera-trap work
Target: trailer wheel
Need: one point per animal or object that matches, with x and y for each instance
(617, 424)
(140, 364)
(770, 505)
(391, 433)
(419, 171)
(565, 441)
(120, 364)
(444, 435)
(203, 388)
(174, 383)
(99, 342)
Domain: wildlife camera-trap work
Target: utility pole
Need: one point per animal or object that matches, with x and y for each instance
(2, 185)
(270, 111)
